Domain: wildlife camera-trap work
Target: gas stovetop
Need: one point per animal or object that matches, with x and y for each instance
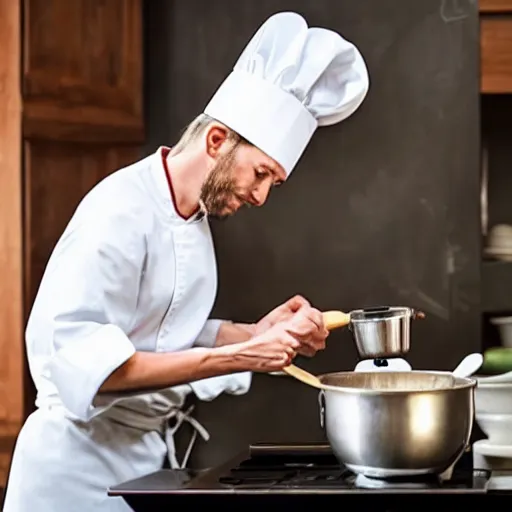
(306, 468)
(291, 472)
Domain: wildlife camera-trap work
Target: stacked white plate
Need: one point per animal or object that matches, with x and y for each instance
(493, 413)
(499, 243)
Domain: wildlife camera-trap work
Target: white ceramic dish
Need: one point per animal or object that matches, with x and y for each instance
(483, 447)
(497, 427)
(502, 378)
(493, 398)
(500, 256)
(500, 235)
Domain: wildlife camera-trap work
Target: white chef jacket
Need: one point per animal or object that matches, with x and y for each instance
(128, 274)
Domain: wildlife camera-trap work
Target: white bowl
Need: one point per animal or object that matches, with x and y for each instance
(493, 398)
(504, 325)
(497, 427)
(500, 378)
(500, 235)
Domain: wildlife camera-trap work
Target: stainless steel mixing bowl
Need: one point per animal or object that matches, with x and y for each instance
(385, 424)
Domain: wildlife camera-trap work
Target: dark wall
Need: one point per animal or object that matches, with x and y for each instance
(496, 135)
(382, 209)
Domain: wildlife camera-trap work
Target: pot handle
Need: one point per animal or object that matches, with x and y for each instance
(321, 403)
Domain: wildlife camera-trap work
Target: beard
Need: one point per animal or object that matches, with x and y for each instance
(219, 188)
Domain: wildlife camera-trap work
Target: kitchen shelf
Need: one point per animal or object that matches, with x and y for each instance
(496, 286)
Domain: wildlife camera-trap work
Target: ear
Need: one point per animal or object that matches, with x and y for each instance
(216, 136)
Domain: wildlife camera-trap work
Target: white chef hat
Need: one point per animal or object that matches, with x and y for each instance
(289, 80)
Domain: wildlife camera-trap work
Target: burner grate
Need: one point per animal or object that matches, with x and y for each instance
(297, 470)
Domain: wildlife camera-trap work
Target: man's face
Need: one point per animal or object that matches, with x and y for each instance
(242, 175)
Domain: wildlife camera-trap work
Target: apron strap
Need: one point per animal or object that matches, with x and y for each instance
(160, 423)
(181, 417)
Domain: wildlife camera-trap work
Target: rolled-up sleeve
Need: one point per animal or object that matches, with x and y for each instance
(232, 384)
(78, 369)
(208, 335)
(86, 305)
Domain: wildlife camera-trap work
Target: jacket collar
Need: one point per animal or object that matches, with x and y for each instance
(161, 188)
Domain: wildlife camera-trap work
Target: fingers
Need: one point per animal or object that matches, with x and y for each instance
(296, 303)
(281, 313)
(291, 352)
(290, 342)
(299, 331)
(291, 345)
(308, 326)
(288, 352)
(310, 348)
(308, 322)
(279, 364)
(307, 351)
(270, 351)
(315, 317)
(287, 359)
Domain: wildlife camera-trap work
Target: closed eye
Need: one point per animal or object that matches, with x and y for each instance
(261, 174)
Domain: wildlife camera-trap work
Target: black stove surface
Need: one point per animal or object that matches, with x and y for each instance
(298, 469)
(309, 468)
(301, 476)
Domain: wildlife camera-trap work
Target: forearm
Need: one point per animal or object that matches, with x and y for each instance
(159, 370)
(230, 333)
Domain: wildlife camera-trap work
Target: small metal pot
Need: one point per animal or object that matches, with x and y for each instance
(388, 424)
(382, 332)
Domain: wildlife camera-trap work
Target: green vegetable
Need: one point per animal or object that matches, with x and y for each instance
(497, 360)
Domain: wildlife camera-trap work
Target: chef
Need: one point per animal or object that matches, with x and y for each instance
(120, 331)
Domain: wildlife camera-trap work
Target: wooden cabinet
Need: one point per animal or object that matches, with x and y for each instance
(11, 252)
(495, 6)
(82, 82)
(82, 103)
(496, 46)
(71, 113)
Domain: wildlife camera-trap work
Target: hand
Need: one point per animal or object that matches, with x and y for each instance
(268, 352)
(281, 313)
(307, 326)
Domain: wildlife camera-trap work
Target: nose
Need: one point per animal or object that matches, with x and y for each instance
(259, 195)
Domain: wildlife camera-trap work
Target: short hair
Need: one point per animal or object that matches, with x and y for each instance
(197, 128)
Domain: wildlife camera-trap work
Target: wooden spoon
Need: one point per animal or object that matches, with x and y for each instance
(332, 320)
(304, 376)
(335, 319)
